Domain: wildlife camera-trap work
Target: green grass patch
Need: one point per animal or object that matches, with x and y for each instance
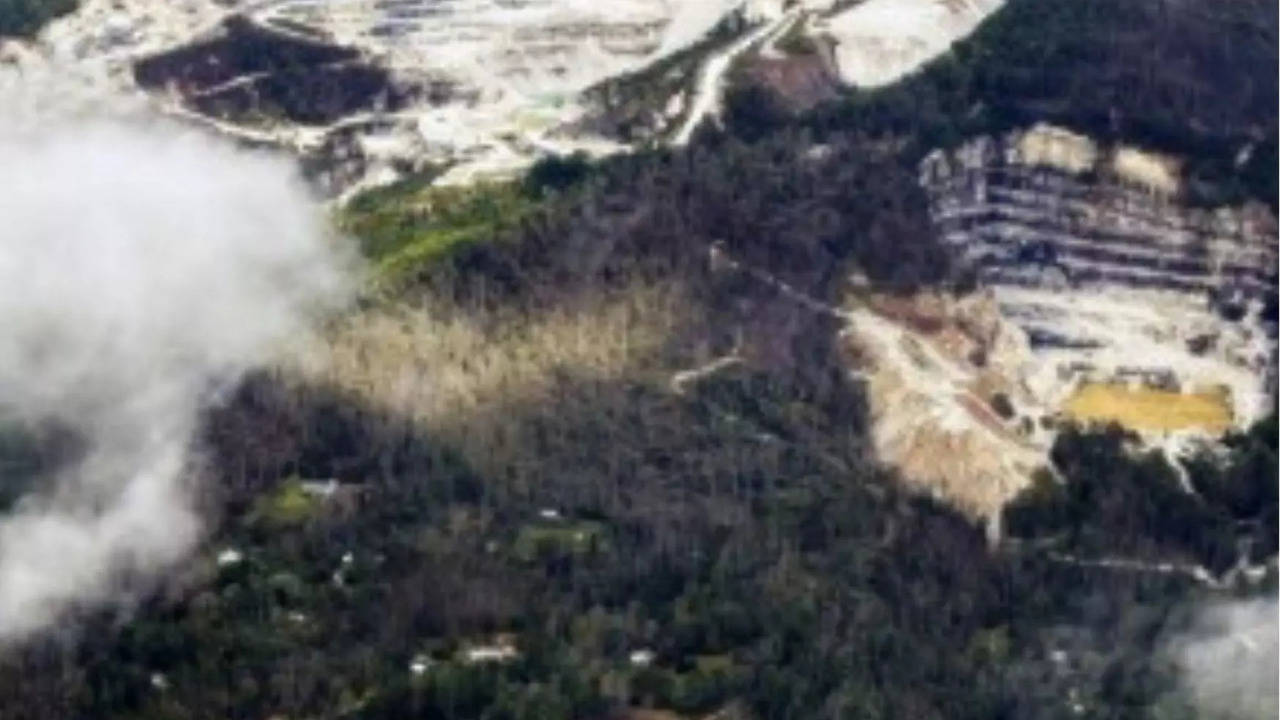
(289, 505)
(410, 224)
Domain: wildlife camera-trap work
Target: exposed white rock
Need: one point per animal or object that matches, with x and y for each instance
(1095, 274)
(642, 658)
(880, 41)
(321, 489)
(505, 79)
(932, 365)
(229, 556)
(1113, 278)
(419, 664)
(501, 650)
(707, 91)
(339, 577)
(512, 72)
(1127, 328)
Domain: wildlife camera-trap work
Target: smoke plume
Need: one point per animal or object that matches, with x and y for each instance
(142, 269)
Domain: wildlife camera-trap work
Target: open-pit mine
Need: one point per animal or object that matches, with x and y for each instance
(1117, 282)
(1102, 297)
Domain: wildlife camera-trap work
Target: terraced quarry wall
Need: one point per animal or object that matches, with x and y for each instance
(1091, 251)
(527, 44)
(1043, 206)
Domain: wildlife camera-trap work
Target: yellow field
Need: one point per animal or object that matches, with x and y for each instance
(1148, 409)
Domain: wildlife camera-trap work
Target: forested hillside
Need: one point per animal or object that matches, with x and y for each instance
(586, 447)
(590, 505)
(1184, 77)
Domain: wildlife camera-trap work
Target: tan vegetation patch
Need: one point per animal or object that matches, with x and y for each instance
(1058, 148)
(1153, 171)
(923, 312)
(457, 374)
(1150, 409)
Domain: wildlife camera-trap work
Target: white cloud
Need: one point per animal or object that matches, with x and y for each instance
(1229, 662)
(142, 268)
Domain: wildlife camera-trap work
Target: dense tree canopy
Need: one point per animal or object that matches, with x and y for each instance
(1174, 75)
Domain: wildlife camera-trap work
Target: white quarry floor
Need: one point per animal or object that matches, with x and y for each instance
(525, 65)
(1143, 329)
(880, 41)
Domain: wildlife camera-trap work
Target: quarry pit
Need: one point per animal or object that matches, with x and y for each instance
(1103, 298)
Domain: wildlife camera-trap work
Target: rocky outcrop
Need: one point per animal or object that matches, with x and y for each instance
(1090, 249)
(947, 390)
(1045, 204)
(250, 72)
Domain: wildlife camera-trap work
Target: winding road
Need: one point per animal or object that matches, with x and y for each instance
(706, 98)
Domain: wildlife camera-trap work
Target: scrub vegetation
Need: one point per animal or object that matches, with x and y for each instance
(600, 413)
